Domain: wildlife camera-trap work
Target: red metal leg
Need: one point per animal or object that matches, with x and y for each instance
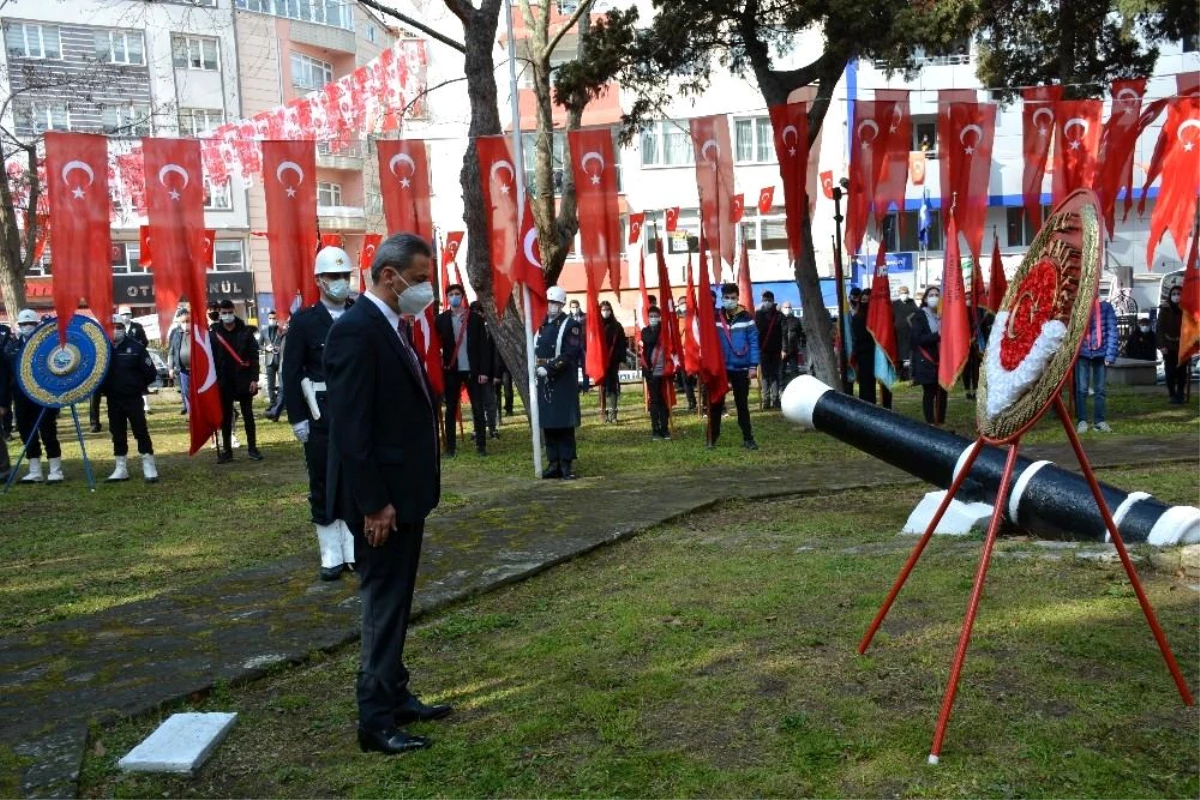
(1147, 609)
(916, 553)
(964, 638)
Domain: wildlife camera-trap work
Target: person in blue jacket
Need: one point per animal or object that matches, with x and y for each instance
(1098, 352)
(739, 345)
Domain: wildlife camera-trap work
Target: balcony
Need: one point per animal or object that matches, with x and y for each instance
(333, 13)
(349, 158)
(342, 218)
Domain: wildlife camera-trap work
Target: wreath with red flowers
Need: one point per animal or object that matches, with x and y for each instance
(1034, 307)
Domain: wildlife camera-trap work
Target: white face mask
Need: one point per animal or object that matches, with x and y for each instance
(932, 301)
(414, 299)
(27, 329)
(554, 308)
(118, 334)
(729, 303)
(1144, 328)
(655, 322)
(904, 297)
(271, 323)
(227, 318)
(604, 312)
(575, 312)
(338, 290)
(787, 312)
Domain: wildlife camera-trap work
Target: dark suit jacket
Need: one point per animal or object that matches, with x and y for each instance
(383, 444)
(481, 350)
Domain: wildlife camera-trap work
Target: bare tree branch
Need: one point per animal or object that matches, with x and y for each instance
(583, 8)
(409, 106)
(417, 25)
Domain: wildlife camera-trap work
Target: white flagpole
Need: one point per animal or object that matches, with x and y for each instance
(527, 303)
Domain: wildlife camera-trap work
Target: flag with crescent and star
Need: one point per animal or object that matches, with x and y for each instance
(766, 199)
(827, 184)
(77, 174)
(671, 216)
(366, 256)
(290, 185)
(636, 221)
(1118, 140)
(594, 166)
(1175, 209)
(893, 174)
(790, 125)
(1038, 113)
(175, 210)
(868, 157)
(498, 178)
(404, 186)
(966, 132)
(737, 208)
(1077, 128)
(714, 182)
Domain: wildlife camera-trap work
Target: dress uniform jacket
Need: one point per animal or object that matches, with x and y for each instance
(560, 350)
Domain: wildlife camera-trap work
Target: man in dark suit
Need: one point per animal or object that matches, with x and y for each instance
(269, 341)
(384, 477)
(468, 359)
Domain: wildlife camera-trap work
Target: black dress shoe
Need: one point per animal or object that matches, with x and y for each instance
(225, 457)
(332, 573)
(568, 474)
(552, 471)
(254, 455)
(391, 742)
(96, 427)
(413, 710)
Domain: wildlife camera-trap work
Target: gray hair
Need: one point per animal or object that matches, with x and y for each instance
(397, 251)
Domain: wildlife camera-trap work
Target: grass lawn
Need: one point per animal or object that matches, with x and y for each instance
(715, 657)
(65, 551)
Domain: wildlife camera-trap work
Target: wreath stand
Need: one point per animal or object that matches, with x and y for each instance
(1014, 444)
(87, 464)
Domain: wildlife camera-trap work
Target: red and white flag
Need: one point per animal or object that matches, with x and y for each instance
(997, 280)
(145, 257)
(691, 322)
(712, 360)
(636, 221)
(672, 219)
(766, 199)
(827, 184)
(290, 186)
(881, 321)
(1077, 128)
(737, 208)
(597, 347)
(593, 163)
(789, 123)
(175, 207)
(745, 287)
(955, 344)
(366, 256)
(1175, 209)
(714, 181)
(1118, 140)
(499, 183)
(868, 157)
(966, 131)
(428, 345)
(669, 338)
(1038, 114)
(404, 186)
(893, 175)
(77, 174)
(208, 254)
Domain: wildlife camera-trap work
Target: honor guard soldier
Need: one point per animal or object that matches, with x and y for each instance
(304, 397)
(33, 432)
(559, 351)
(130, 374)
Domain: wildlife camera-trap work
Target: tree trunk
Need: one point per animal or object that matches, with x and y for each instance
(12, 262)
(479, 30)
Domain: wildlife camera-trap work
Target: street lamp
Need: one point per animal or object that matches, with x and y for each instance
(842, 188)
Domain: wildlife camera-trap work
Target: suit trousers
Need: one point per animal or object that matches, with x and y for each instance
(125, 412)
(770, 368)
(739, 386)
(94, 409)
(560, 444)
(246, 402)
(454, 383)
(387, 578)
(659, 419)
(45, 433)
(272, 383)
(316, 458)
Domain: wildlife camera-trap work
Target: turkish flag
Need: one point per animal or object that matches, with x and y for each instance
(208, 254)
(669, 338)
(737, 208)
(428, 345)
(404, 186)
(1150, 115)
(745, 289)
(366, 256)
(77, 178)
(594, 165)
(916, 167)
(714, 181)
(712, 360)
(789, 123)
(330, 240)
(893, 177)
(1175, 210)
(1038, 114)
(636, 221)
(1118, 139)
(966, 131)
(144, 257)
(766, 199)
(827, 184)
(955, 344)
(672, 219)
(499, 182)
(529, 270)
(453, 243)
(998, 280)
(881, 322)
(175, 207)
(290, 186)
(597, 348)
(691, 335)
(1077, 127)
(1189, 329)
(868, 159)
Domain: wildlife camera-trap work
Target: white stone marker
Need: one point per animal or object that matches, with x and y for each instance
(181, 744)
(960, 518)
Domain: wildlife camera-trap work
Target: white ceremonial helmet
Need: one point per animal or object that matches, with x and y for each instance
(27, 316)
(119, 319)
(556, 294)
(332, 260)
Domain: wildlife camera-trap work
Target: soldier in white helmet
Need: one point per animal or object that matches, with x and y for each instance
(304, 398)
(36, 434)
(130, 372)
(559, 353)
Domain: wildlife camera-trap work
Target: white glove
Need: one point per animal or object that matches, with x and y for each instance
(301, 431)
(541, 372)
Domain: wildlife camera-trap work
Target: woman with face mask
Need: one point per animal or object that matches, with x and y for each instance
(1142, 343)
(653, 367)
(1170, 328)
(617, 348)
(926, 337)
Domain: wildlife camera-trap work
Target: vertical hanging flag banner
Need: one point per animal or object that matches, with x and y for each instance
(868, 155)
(636, 221)
(789, 123)
(998, 281)
(712, 360)
(1077, 128)
(671, 216)
(737, 208)
(404, 186)
(175, 208)
(1175, 209)
(499, 183)
(893, 176)
(881, 323)
(428, 345)
(827, 184)
(955, 343)
(966, 132)
(594, 166)
(290, 186)
(714, 182)
(77, 178)
(691, 331)
(597, 347)
(1039, 113)
(745, 287)
(366, 256)
(208, 254)
(669, 339)
(1118, 140)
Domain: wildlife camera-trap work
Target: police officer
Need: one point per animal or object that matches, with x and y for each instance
(305, 400)
(136, 332)
(559, 352)
(34, 433)
(130, 373)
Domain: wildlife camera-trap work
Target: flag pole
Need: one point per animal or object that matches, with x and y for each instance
(526, 302)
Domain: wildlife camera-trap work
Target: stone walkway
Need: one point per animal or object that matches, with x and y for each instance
(60, 677)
